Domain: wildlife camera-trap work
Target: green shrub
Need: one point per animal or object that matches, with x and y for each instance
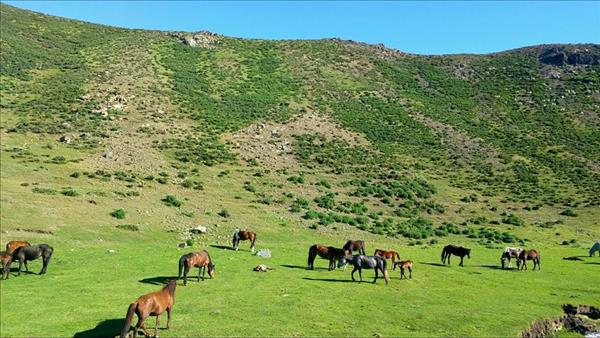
(69, 192)
(513, 220)
(128, 227)
(568, 212)
(118, 213)
(224, 213)
(172, 201)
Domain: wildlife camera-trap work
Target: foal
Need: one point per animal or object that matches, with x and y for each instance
(5, 258)
(408, 264)
(387, 254)
(151, 304)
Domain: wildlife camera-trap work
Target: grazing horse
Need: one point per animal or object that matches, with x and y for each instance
(367, 262)
(457, 251)
(352, 246)
(595, 248)
(404, 265)
(387, 254)
(242, 235)
(528, 255)
(201, 260)
(151, 304)
(326, 252)
(5, 258)
(30, 253)
(14, 245)
(509, 253)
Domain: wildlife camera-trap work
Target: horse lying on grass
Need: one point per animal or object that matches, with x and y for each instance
(151, 304)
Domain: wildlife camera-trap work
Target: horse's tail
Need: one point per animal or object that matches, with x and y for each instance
(312, 253)
(128, 318)
(397, 255)
(253, 239)
(384, 270)
(181, 266)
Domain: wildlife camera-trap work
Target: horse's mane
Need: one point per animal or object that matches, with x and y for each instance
(170, 287)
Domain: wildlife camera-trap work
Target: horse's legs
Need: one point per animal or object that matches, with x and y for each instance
(200, 273)
(353, 271)
(45, 262)
(26, 267)
(20, 265)
(402, 273)
(156, 327)
(376, 274)
(461, 260)
(185, 273)
(360, 273)
(168, 318)
(410, 272)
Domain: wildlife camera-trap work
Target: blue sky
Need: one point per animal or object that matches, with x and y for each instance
(427, 27)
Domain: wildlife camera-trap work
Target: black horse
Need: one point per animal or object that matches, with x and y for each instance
(367, 262)
(457, 251)
(30, 253)
(352, 246)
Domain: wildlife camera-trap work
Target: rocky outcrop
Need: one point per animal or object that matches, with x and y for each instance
(572, 322)
(569, 55)
(202, 39)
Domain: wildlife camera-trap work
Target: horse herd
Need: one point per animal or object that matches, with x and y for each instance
(156, 303)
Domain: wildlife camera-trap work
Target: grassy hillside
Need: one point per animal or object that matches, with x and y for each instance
(304, 142)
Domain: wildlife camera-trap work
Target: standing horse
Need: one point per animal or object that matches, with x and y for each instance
(201, 260)
(387, 254)
(509, 253)
(352, 246)
(30, 253)
(14, 245)
(5, 258)
(326, 252)
(151, 304)
(595, 248)
(456, 251)
(242, 235)
(367, 262)
(528, 255)
(403, 265)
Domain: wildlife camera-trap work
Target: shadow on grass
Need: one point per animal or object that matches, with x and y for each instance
(594, 263)
(223, 247)
(434, 264)
(300, 267)
(106, 328)
(495, 267)
(328, 280)
(159, 280)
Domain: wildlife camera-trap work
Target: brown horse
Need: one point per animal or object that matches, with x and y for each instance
(387, 254)
(14, 245)
(5, 259)
(151, 304)
(528, 255)
(352, 246)
(201, 260)
(325, 252)
(403, 265)
(242, 235)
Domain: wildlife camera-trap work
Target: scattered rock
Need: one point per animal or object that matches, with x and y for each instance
(65, 139)
(266, 253)
(108, 155)
(111, 251)
(202, 39)
(568, 55)
(181, 245)
(198, 230)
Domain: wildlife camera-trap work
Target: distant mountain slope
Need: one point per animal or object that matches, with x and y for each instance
(522, 123)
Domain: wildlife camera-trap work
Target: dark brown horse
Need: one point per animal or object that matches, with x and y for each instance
(528, 255)
(404, 265)
(457, 251)
(14, 245)
(243, 235)
(151, 304)
(387, 254)
(30, 253)
(5, 258)
(200, 260)
(326, 252)
(352, 246)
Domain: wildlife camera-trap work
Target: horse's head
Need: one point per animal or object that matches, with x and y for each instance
(342, 261)
(211, 270)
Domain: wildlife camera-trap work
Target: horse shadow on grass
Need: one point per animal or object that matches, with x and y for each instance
(222, 247)
(328, 280)
(594, 263)
(106, 328)
(300, 267)
(434, 264)
(158, 280)
(494, 267)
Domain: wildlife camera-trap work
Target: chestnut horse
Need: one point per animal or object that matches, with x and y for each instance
(528, 255)
(5, 258)
(387, 254)
(30, 253)
(457, 251)
(201, 260)
(14, 245)
(151, 304)
(242, 235)
(352, 246)
(325, 252)
(404, 265)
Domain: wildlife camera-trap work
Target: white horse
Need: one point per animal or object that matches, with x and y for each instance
(595, 248)
(509, 253)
